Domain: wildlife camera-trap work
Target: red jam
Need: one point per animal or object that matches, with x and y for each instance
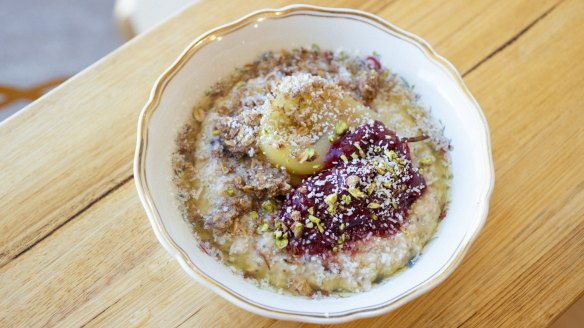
(373, 62)
(366, 189)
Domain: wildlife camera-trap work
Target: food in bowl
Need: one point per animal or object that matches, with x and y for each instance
(313, 172)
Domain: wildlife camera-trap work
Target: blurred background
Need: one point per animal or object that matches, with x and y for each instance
(43, 43)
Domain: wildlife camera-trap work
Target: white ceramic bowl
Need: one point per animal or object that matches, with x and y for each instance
(216, 53)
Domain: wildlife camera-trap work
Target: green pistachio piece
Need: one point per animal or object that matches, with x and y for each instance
(373, 205)
(361, 152)
(346, 199)
(264, 227)
(269, 205)
(341, 128)
(355, 192)
(281, 243)
(316, 221)
(426, 160)
(297, 229)
(331, 199)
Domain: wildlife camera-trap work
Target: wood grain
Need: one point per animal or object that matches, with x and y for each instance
(76, 247)
(39, 196)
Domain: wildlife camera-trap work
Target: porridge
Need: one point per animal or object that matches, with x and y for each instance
(312, 172)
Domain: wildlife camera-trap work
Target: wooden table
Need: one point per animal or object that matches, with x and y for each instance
(76, 247)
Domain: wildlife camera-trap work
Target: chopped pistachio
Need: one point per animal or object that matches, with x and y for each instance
(373, 205)
(281, 239)
(253, 214)
(332, 209)
(264, 227)
(377, 149)
(344, 158)
(310, 225)
(373, 216)
(316, 167)
(346, 199)
(361, 152)
(341, 128)
(391, 154)
(370, 188)
(281, 243)
(335, 249)
(297, 229)
(311, 210)
(302, 190)
(332, 138)
(355, 192)
(316, 221)
(331, 199)
(216, 133)
(230, 191)
(354, 156)
(342, 227)
(269, 205)
(315, 47)
(380, 170)
(394, 205)
(426, 160)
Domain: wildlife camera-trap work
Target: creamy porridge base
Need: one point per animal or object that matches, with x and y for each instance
(231, 193)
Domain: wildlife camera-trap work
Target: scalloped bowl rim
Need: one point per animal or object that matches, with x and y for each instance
(180, 255)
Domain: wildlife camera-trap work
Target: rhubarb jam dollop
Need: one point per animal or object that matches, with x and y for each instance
(365, 189)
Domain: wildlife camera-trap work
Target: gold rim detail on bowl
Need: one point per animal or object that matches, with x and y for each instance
(213, 35)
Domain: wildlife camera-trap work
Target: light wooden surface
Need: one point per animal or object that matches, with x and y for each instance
(76, 247)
